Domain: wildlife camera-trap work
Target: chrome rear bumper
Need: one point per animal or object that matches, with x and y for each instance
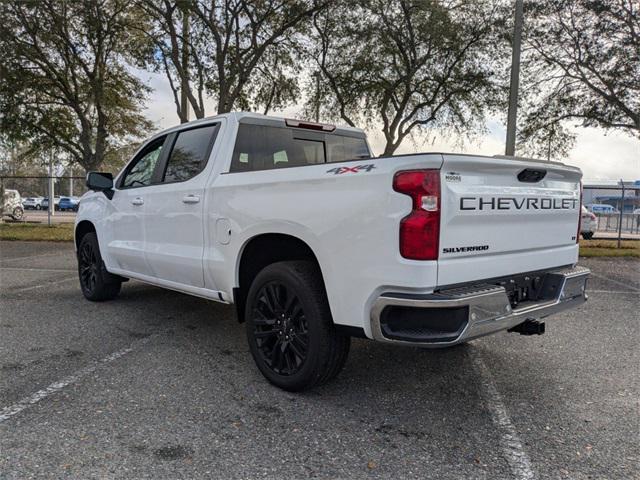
(486, 308)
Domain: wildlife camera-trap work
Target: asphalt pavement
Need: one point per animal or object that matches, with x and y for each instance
(156, 384)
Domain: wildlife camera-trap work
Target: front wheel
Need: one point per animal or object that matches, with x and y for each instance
(290, 331)
(96, 283)
(587, 235)
(38, 207)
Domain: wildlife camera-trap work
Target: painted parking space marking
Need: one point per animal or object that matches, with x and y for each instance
(618, 282)
(48, 284)
(510, 442)
(20, 269)
(622, 292)
(20, 406)
(11, 259)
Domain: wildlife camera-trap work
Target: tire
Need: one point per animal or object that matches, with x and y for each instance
(17, 214)
(38, 207)
(587, 235)
(290, 331)
(96, 283)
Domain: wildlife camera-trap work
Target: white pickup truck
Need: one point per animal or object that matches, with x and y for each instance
(316, 241)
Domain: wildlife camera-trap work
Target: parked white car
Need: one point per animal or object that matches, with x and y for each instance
(588, 224)
(315, 241)
(12, 205)
(32, 203)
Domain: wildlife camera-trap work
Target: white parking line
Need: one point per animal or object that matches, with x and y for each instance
(38, 269)
(623, 284)
(29, 256)
(48, 284)
(627, 292)
(509, 441)
(12, 410)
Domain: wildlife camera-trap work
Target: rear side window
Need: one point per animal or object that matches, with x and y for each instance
(189, 154)
(341, 148)
(260, 147)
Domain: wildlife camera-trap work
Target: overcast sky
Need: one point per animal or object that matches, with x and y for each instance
(600, 155)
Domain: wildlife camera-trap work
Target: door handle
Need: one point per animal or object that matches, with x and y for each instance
(190, 199)
(137, 201)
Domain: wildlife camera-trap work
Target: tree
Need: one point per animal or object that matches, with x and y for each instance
(64, 83)
(243, 53)
(581, 64)
(179, 51)
(411, 65)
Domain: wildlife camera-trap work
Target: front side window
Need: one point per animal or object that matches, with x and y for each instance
(141, 170)
(189, 154)
(260, 147)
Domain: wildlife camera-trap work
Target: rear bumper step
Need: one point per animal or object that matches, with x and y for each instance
(457, 315)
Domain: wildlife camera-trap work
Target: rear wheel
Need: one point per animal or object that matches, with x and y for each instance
(587, 235)
(289, 327)
(38, 207)
(96, 283)
(17, 213)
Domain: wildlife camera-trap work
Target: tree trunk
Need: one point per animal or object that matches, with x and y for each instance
(184, 97)
(389, 149)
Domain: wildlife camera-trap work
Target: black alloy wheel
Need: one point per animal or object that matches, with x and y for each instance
(89, 266)
(96, 283)
(280, 328)
(290, 331)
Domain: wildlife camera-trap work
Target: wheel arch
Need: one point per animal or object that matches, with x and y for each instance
(82, 228)
(262, 250)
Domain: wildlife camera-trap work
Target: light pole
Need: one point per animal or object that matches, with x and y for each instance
(510, 148)
(51, 205)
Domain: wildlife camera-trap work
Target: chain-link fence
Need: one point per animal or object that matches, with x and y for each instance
(38, 186)
(34, 193)
(616, 208)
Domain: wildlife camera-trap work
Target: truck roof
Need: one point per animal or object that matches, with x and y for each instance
(256, 118)
(260, 119)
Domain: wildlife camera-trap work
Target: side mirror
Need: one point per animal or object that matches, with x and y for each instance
(100, 182)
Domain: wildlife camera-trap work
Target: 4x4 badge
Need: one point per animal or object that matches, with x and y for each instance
(340, 170)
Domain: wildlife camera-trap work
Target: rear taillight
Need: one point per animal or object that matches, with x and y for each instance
(579, 215)
(420, 230)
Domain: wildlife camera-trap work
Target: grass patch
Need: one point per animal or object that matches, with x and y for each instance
(609, 248)
(60, 232)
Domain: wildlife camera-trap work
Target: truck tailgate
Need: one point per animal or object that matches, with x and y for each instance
(504, 216)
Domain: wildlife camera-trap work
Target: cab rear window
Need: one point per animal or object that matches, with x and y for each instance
(260, 147)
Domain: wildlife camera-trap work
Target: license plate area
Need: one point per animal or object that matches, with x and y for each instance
(523, 289)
